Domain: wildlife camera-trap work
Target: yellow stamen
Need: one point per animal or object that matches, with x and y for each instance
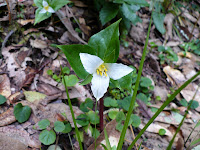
(46, 8)
(102, 70)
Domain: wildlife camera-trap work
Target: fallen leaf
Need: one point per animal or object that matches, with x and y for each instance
(5, 85)
(7, 117)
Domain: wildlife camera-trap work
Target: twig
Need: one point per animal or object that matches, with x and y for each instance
(133, 136)
(194, 27)
(6, 39)
(8, 11)
(68, 25)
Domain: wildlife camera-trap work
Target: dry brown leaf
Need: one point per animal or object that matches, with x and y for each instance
(113, 136)
(25, 22)
(20, 135)
(7, 117)
(169, 21)
(5, 85)
(38, 44)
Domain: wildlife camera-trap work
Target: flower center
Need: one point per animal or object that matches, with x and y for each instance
(46, 7)
(102, 70)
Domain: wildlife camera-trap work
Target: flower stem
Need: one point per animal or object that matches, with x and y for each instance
(72, 112)
(121, 141)
(101, 114)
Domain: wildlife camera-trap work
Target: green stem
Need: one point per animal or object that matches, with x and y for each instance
(119, 147)
(162, 107)
(72, 112)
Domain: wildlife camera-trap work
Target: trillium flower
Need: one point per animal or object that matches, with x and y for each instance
(46, 8)
(102, 72)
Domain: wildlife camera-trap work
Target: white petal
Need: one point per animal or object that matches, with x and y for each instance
(51, 10)
(116, 71)
(42, 11)
(90, 62)
(99, 85)
(44, 3)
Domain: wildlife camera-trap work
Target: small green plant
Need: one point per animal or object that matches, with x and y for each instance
(193, 46)
(2, 99)
(22, 113)
(47, 7)
(89, 118)
(48, 134)
(70, 80)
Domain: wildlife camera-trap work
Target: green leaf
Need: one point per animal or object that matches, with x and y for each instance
(125, 103)
(57, 4)
(113, 114)
(145, 82)
(40, 16)
(33, 96)
(142, 97)
(83, 119)
(106, 43)
(70, 80)
(72, 53)
(194, 104)
(129, 11)
(68, 128)
(107, 140)
(120, 116)
(119, 126)
(50, 72)
(87, 104)
(2, 99)
(109, 102)
(184, 102)
(66, 70)
(86, 80)
(126, 81)
(158, 19)
(38, 3)
(162, 132)
(22, 113)
(59, 126)
(94, 118)
(44, 123)
(136, 121)
(47, 137)
(138, 2)
(95, 133)
(108, 12)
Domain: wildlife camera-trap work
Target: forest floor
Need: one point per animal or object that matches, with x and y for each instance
(27, 53)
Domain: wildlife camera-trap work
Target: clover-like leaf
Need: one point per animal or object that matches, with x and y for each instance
(83, 119)
(59, 126)
(162, 132)
(44, 123)
(94, 118)
(2, 99)
(87, 104)
(22, 113)
(71, 80)
(47, 137)
(68, 128)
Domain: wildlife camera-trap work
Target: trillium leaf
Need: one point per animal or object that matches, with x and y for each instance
(158, 19)
(72, 53)
(86, 80)
(40, 16)
(57, 4)
(106, 43)
(22, 113)
(2, 99)
(108, 12)
(38, 3)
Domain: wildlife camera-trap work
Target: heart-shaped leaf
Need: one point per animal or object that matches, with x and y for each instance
(22, 113)
(2, 99)
(47, 137)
